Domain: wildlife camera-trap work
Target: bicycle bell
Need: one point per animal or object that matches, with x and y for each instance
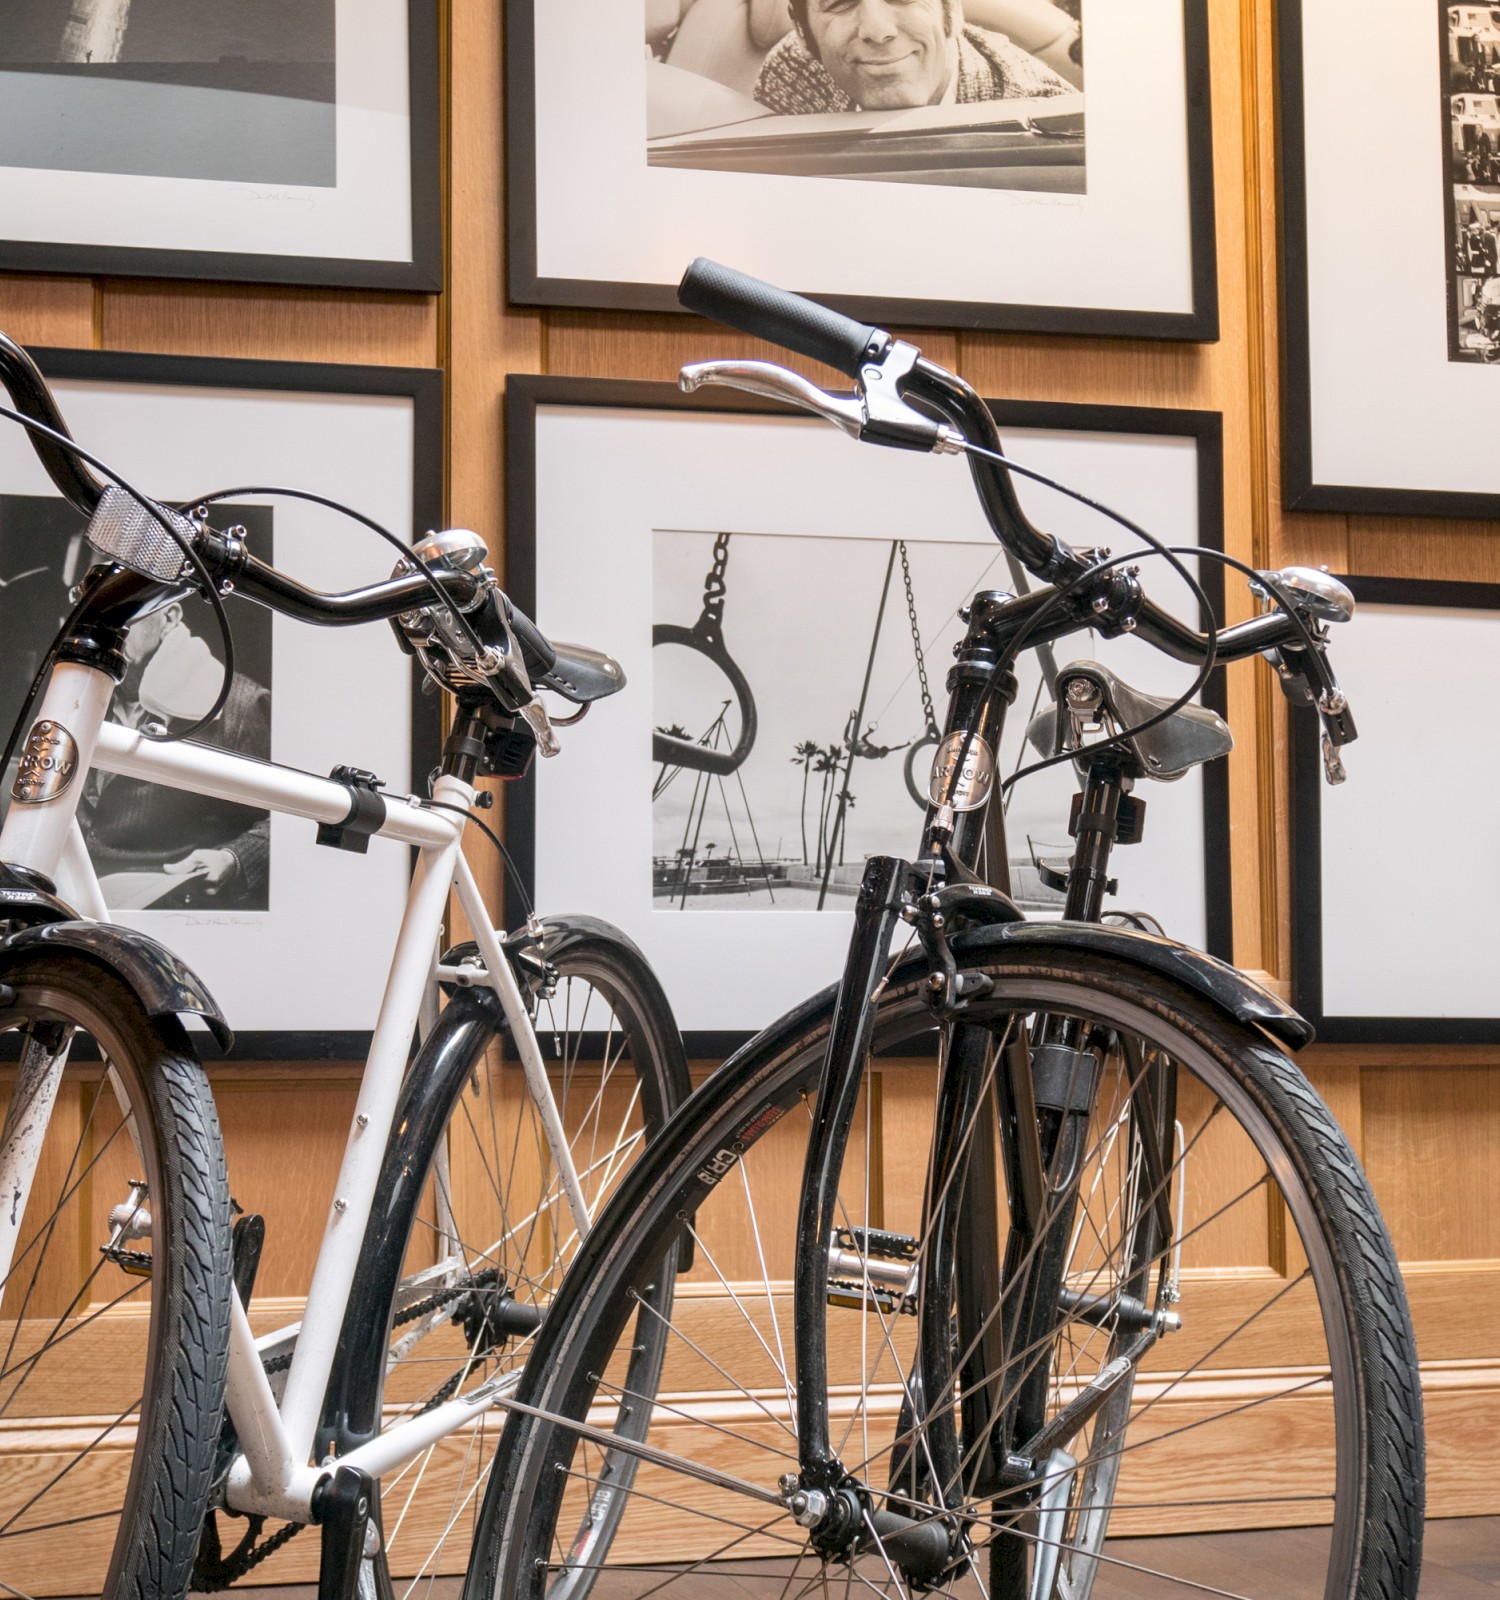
(457, 549)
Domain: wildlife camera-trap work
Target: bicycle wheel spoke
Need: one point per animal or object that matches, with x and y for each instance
(495, 1232)
(1142, 1310)
(63, 1471)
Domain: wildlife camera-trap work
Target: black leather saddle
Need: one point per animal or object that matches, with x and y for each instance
(1189, 737)
(582, 675)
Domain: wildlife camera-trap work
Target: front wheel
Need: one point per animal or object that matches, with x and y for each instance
(1202, 1357)
(114, 1303)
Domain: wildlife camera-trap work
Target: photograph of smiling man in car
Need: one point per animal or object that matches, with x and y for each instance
(980, 93)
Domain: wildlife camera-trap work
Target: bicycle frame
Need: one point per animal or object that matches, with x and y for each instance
(962, 824)
(272, 1476)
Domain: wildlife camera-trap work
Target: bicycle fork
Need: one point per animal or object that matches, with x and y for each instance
(989, 1285)
(823, 1496)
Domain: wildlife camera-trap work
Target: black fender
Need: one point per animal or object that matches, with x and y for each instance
(165, 986)
(447, 1059)
(449, 1055)
(1220, 984)
(575, 933)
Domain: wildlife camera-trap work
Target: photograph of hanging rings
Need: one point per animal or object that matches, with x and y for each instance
(785, 646)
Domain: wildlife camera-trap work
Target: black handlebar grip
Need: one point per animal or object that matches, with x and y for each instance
(740, 301)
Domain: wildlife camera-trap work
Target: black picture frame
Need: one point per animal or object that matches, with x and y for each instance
(424, 389)
(527, 285)
(1302, 487)
(526, 394)
(421, 273)
(1309, 907)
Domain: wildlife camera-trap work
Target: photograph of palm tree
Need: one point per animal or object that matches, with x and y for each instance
(797, 692)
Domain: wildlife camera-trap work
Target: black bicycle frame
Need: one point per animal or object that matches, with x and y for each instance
(967, 1257)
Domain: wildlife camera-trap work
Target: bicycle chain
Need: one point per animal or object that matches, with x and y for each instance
(244, 1559)
(419, 1308)
(928, 710)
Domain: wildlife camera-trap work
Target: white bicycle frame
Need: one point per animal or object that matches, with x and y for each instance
(273, 1476)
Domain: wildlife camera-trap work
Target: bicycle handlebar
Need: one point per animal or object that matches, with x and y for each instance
(899, 391)
(740, 301)
(224, 558)
(865, 354)
(28, 388)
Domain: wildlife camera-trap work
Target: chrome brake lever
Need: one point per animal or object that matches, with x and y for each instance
(776, 383)
(534, 715)
(878, 415)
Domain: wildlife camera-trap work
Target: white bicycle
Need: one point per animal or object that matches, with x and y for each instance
(470, 1173)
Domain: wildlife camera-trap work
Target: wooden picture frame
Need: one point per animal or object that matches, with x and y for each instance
(323, 171)
(617, 493)
(610, 219)
(1384, 386)
(183, 427)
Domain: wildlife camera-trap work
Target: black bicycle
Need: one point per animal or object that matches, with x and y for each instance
(1079, 1263)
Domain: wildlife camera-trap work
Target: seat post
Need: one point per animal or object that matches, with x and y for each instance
(1104, 815)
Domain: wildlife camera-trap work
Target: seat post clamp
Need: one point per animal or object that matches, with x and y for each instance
(366, 811)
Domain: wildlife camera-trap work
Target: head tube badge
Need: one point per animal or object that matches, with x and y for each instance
(48, 762)
(970, 788)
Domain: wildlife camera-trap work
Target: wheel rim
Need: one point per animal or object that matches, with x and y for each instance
(1302, 1298)
(495, 1216)
(80, 1345)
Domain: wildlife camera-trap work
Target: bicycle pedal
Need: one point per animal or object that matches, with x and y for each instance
(870, 1268)
(130, 1220)
(135, 1262)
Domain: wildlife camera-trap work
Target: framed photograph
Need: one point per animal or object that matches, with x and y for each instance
(287, 141)
(1392, 939)
(1390, 191)
(784, 606)
(293, 939)
(929, 163)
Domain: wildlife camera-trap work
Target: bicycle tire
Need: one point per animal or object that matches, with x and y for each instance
(1359, 1454)
(607, 1005)
(163, 1336)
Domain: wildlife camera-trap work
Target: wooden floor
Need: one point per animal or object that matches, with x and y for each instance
(1461, 1562)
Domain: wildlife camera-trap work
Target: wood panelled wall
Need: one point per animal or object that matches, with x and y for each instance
(1426, 1121)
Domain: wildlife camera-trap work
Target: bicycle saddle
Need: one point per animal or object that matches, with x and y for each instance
(581, 675)
(1190, 736)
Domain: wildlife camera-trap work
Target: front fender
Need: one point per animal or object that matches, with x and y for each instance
(1218, 982)
(164, 985)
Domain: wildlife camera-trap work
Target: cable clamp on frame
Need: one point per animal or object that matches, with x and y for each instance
(366, 811)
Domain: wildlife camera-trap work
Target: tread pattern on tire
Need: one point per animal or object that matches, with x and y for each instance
(197, 1334)
(175, 1450)
(1390, 1526)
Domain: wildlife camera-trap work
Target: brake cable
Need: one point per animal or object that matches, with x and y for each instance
(1089, 573)
(158, 513)
(405, 550)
